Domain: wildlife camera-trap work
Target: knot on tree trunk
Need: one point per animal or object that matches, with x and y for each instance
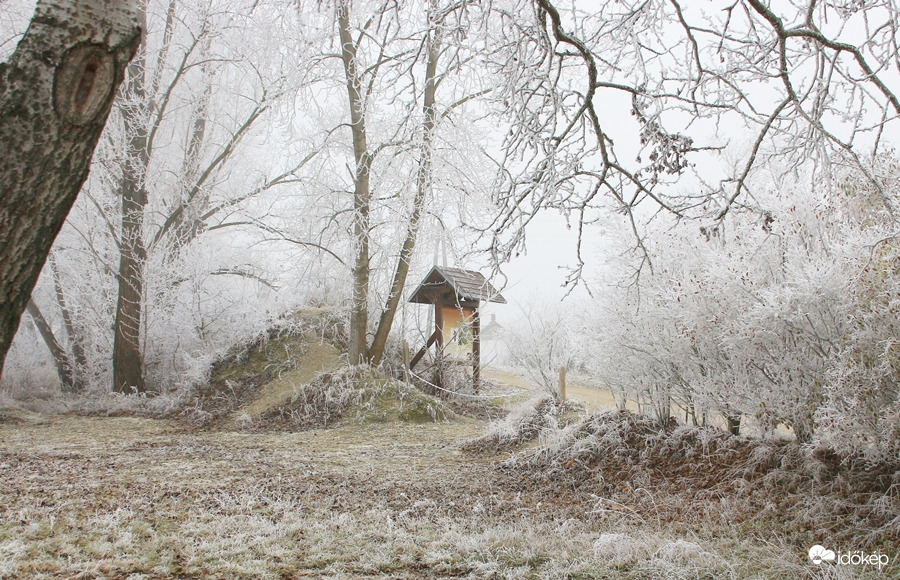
(84, 84)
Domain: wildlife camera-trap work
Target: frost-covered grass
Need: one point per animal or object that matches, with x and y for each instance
(258, 535)
(137, 498)
(54, 402)
(255, 534)
(359, 394)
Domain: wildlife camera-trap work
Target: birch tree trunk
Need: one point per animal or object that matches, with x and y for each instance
(423, 184)
(55, 95)
(128, 364)
(361, 193)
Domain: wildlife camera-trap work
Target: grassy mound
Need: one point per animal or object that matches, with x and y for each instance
(236, 380)
(290, 379)
(253, 377)
(357, 394)
(631, 466)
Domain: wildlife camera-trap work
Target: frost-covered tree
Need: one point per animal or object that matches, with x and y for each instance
(542, 341)
(200, 79)
(739, 321)
(408, 73)
(861, 408)
(168, 245)
(758, 81)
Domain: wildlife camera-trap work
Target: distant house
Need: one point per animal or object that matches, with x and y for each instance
(494, 350)
(492, 329)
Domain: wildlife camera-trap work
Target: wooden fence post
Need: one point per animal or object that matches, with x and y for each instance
(405, 362)
(562, 384)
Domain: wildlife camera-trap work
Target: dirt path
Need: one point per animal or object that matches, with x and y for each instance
(593, 398)
(114, 497)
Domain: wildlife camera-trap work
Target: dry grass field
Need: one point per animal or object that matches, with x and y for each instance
(267, 474)
(92, 497)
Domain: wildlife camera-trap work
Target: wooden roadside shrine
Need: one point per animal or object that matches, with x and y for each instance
(455, 295)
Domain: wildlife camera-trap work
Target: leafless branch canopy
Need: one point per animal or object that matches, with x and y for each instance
(809, 83)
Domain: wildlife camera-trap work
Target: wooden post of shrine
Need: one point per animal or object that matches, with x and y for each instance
(476, 348)
(439, 336)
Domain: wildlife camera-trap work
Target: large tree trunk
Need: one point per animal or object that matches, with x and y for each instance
(423, 184)
(128, 363)
(361, 194)
(55, 95)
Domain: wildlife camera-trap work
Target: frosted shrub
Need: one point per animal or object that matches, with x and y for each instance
(788, 316)
(862, 412)
(544, 342)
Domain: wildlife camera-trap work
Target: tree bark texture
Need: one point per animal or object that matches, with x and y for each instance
(55, 95)
(361, 193)
(128, 365)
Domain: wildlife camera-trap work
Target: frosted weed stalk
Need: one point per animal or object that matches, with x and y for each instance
(543, 416)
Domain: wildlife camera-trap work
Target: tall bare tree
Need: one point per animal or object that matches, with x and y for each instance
(177, 77)
(186, 174)
(128, 368)
(422, 54)
(432, 50)
(362, 195)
